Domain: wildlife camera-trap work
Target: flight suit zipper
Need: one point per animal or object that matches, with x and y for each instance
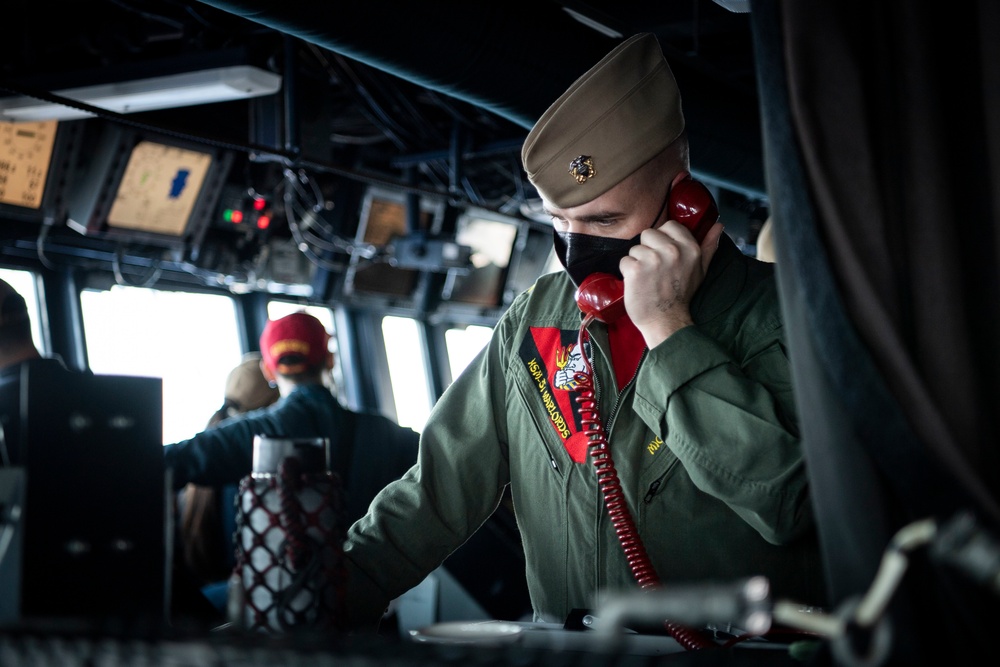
(651, 491)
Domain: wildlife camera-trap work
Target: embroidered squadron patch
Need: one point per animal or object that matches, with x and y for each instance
(552, 357)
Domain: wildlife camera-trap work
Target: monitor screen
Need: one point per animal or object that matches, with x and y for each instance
(145, 187)
(491, 237)
(159, 188)
(383, 217)
(25, 154)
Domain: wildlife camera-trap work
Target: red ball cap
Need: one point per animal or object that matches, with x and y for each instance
(293, 343)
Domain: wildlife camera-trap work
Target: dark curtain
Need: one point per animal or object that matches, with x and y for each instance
(881, 126)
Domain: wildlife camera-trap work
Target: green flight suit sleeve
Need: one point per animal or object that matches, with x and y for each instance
(419, 520)
(732, 424)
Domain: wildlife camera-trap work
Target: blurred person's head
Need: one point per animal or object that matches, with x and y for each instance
(246, 389)
(16, 344)
(295, 349)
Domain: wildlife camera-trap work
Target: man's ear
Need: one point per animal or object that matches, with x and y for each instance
(680, 176)
(266, 372)
(329, 361)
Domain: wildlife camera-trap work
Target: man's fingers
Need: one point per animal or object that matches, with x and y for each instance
(669, 242)
(671, 232)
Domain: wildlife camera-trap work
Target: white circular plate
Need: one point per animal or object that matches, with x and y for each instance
(465, 632)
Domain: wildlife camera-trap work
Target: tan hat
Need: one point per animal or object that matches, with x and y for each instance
(246, 386)
(611, 121)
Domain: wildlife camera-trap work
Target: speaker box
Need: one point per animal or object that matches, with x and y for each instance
(92, 525)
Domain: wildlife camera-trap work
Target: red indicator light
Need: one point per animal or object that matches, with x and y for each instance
(236, 217)
(263, 222)
(259, 204)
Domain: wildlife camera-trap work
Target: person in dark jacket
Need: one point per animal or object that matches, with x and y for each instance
(367, 450)
(17, 350)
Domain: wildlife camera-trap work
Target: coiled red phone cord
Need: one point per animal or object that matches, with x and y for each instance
(614, 497)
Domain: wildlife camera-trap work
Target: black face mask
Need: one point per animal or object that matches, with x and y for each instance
(584, 254)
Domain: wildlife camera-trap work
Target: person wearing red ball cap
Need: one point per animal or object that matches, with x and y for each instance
(369, 450)
(295, 349)
(692, 383)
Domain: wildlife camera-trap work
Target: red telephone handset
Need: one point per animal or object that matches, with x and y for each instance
(691, 204)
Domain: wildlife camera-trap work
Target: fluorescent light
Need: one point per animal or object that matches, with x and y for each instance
(163, 92)
(594, 24)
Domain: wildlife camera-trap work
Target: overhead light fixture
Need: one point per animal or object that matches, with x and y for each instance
(594, 24)
(221, 84)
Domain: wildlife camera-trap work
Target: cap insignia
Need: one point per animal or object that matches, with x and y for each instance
(582, 168)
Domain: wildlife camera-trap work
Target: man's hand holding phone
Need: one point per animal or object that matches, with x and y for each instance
(662, 274)
(665, 270)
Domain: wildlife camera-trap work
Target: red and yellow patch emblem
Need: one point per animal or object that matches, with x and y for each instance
(553, 357)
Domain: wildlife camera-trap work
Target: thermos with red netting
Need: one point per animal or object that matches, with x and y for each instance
(290, 530)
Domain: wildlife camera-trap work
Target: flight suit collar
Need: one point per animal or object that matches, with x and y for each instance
(723, 282)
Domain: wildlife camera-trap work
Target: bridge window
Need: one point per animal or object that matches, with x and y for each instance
(190, 340)
(463, 344)
(407, 371)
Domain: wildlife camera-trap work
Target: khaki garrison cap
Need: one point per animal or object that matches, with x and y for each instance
(611, 121)
(246, 386)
